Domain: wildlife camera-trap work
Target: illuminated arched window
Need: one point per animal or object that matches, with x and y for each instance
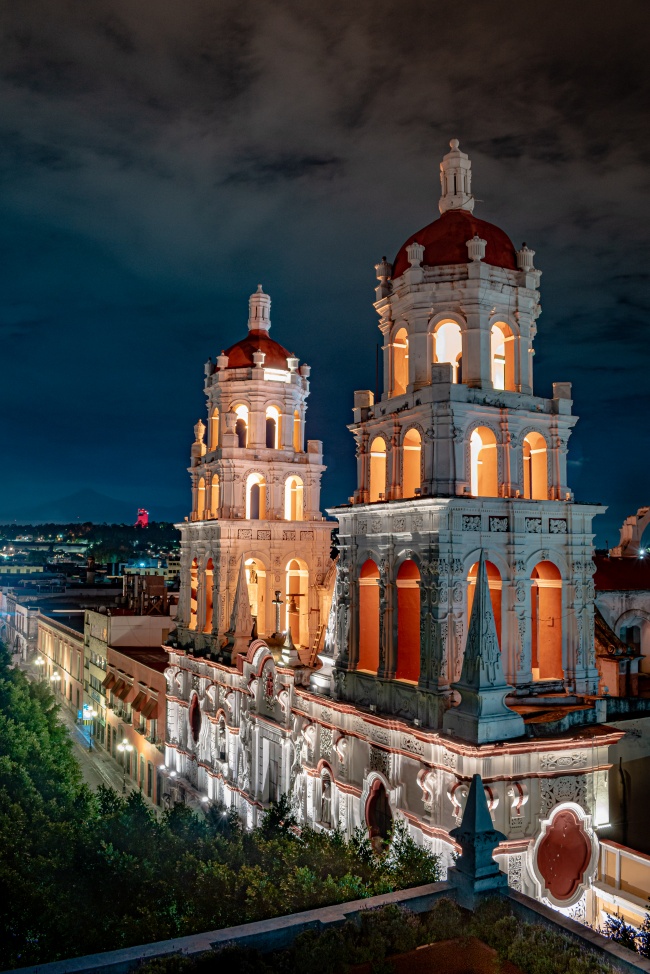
(535, 467)
(256, 579)
(241, 426)
(496, 588)
(369, 617)
(448, 347)
(255, 497)
(208, 589)
(546, 621)
(378, 469)
(200, 498)
(293, 499)
(408, 622)
(297, 601)
(194, 593)
(214, 429)
(483, 463)
(215, 495)
(400, 362)
(412, 453)
(297, 432)
(273, 441)
(502, 356)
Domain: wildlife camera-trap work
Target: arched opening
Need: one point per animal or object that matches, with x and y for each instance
(200, 499)
(502, 356)
(195, 719)
(546, 622)
(214, 429)
(484, 480)
(496, 592)
(535, 467)
(326, 800)
(256, 580)
(194, 593)
(221, 739)
(369, 617)
(400, 362)
(215, 495)
(379, 817)
(378, 469)
(408, 622)
(241, 425)
(297, 432)
(448, 347)
(297, 601)
(412, 458)
(293, 499)
(255, 497)
(272, 428)
(208, 581)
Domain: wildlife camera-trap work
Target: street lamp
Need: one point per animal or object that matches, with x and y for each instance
(40, 662)
(55, 679)
(124, 748)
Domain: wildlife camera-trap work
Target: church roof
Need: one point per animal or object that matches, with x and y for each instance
(445, 240)
(240, 355)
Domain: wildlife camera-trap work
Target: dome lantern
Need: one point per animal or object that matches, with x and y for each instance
(259, 311)
(456, 181)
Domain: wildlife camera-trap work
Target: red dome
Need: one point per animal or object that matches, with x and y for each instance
(240, 355)
(445, 239)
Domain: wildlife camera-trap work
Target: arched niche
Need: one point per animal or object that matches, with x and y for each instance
(502, 356)
(496, 592)
(297, 601)
(241, 425)
(400, 362)
(194, 593)
(256, 581)
(448, 347)
(214, 428)
(200, 499)
(208, 588)
(535, 464)
(194, 718)
(255, 497)
(293, 499)
(377, 489)
(379, 817)
(368, 617)
(546, 622)
(408, 622)
(273, 434)
(484, 467)
(215, 495)
(411, 462)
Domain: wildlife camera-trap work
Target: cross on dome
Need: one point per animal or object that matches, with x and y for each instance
(456, 180)
(259, 311)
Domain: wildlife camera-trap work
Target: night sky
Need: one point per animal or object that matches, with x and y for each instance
(161, 159)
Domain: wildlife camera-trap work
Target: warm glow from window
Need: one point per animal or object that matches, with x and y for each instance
(200, 498)
(484, 481)
(293, 499)
(502, 357)
(272, 428)
(535, 467)
(255, 497)
(241, 426)
(448, 347)
(400, 362)
(412, 453)
(297, 432)
(378, 469)
(215, 499)
(214, 429)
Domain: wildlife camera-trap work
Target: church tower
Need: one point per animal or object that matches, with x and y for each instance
(255, 500)
(459, 455)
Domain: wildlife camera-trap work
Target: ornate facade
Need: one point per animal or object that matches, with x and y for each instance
(462, 512)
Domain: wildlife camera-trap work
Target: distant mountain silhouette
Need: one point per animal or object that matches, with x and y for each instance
(87, 505)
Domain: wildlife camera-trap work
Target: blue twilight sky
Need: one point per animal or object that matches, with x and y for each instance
(159, 160)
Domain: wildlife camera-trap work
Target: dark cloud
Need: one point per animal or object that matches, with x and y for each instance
(158, 160)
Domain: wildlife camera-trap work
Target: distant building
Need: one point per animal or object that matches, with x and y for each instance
(60, 643)
(142, 520)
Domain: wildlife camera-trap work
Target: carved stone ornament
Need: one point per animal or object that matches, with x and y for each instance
(499, 524)
(533, 525)
(557, 525)
(471, 522)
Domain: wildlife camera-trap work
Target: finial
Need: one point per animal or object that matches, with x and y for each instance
(259, 311)
(456, 180)
(525, 258)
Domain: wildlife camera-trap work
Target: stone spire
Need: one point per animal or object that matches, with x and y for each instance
(241, 620)
(476, 871)
(259, 311)
(482, 715)
(456, 181)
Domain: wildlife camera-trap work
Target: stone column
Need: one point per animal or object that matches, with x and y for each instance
(394, 485)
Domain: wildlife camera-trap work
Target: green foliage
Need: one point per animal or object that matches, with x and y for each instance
(380, 934)
(142, 878)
